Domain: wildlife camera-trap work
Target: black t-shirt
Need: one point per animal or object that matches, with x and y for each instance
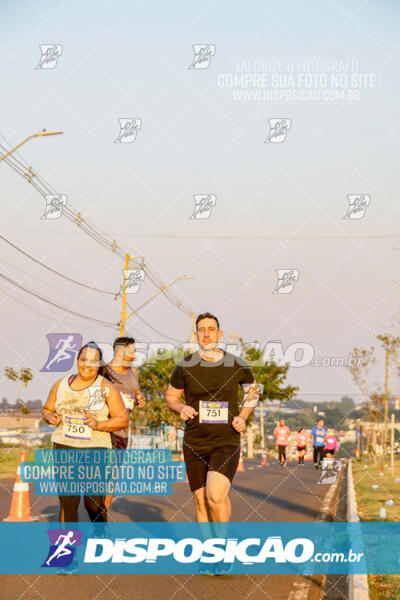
(212, 383)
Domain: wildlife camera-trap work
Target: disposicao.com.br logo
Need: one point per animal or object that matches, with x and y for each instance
(190, 550)
(165, 547)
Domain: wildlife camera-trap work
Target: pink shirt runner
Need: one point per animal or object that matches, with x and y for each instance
(282, 434)
(301, 439)
(331, 443)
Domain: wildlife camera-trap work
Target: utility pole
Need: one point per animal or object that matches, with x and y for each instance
(250, 441)
(386, 408)
(358, 435)
(374, 453)
(123, 308)
(261, 405)
(192, 333)
(392, 443)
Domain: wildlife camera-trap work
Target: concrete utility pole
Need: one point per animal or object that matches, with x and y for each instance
(358, 435)
(374, 452)
(261, 406)
(250, 442)
(392, 443)
(124, 316)
(192, 334)
(386, 407)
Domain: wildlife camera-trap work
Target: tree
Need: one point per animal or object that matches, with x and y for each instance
(154, 376)
(23, 377)
(359, 370)
(377, 397)
(391, 345)
(271, 375)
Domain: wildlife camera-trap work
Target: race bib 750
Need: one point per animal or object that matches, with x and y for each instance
(74, 427)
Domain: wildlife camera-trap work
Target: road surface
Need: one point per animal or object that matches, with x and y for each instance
(260, 493)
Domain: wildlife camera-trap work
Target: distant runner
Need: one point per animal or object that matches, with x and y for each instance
(318, 432)
(301, 443)
(330, 444)
(282, 434)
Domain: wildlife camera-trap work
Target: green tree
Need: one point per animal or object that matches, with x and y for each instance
(154, 376)
(377, 397)
(22, 378)
(271, 375)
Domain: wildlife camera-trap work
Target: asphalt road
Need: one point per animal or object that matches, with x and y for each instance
(260, 493)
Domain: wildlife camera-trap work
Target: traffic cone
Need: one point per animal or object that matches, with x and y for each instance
(290, 457)
(264, 459)
(240, 467)
(20, 509)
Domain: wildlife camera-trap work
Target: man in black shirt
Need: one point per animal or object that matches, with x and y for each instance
(209, 378)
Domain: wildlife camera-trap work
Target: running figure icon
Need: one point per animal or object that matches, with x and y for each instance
(62, 550)
(62, 354)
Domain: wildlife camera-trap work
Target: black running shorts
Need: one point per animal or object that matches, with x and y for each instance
(223, 459)
(300, 448)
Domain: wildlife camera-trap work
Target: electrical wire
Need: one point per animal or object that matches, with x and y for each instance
(54, 270)
(151, 326)
(44, 299)
(19, 164)
(164, 335)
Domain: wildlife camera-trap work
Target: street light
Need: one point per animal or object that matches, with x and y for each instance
(124, 315)
(40, 134)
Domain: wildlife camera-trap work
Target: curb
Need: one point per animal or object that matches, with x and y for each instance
(302, 584)
(358, 584)
(329, 502)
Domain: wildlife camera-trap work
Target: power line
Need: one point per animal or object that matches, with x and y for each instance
(164, 335)
(83, 304)
(151, 327)
(20, 166)
(54, 271)
(236, 237)
(28, 306)
(44, 299)
(264, 237)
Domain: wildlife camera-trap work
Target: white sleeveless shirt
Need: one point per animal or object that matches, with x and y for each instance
(71, 405)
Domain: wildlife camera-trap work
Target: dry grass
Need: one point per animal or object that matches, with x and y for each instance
(369, 501)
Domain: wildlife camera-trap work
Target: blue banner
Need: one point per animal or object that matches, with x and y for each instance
(161, 548)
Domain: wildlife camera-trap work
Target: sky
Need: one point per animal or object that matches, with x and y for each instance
(278, 205)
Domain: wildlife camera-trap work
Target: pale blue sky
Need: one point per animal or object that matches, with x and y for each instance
(127, 59)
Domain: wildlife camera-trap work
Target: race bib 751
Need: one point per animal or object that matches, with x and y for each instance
(213, 412)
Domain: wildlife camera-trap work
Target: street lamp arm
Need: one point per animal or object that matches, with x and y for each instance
(40, 134)
(161, 291)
